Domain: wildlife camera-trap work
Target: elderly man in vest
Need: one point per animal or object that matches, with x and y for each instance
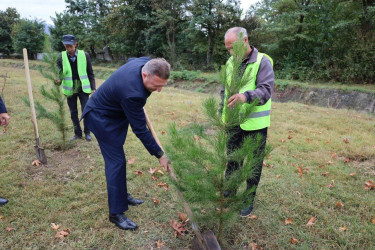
(117, 104)
(259, 88)
(78, 81)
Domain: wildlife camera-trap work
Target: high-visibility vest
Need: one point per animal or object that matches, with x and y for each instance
(67, 82)
(260, 117)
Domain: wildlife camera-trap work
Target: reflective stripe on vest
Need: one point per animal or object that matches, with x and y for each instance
(260, 117)
(67, 83)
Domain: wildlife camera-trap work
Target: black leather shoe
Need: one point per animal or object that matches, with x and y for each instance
(246, 211)
(134, 202)
(122, 222)
(88, 137)
(75, 137)
(3, 201)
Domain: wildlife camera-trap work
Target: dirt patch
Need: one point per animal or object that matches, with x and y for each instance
(366, 167)
(62, 165)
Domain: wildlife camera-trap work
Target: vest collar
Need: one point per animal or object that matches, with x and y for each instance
(253, 55)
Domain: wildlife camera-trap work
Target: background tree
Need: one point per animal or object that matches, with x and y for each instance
(28, 34)
(7, 19)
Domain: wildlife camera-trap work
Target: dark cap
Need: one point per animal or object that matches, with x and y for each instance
(68, 39)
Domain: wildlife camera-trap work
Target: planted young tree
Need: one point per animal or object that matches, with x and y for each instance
(53, 92)
(200, 156)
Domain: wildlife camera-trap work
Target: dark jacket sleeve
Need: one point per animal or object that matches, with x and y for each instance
(264, 83)
(3, 109)
(90, 72)
(133, 108)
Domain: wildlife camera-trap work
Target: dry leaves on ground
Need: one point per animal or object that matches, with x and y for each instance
(255, 246)
(344, 228)
(155, 201)
(332, 184)
(288, 221)
(369, 185)
(159, 244)
(55, 226)
(293, 241)
(9, 229)
(131, 161)
(36, 163)
(138, 172)
(311, 222)
(178, 228)
(183, 217)
(62, 234)
(339, 204)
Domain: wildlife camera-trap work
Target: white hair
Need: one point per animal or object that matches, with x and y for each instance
(237, 31)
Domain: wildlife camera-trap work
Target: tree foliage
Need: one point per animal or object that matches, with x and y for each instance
(28, 34)
(7, 19)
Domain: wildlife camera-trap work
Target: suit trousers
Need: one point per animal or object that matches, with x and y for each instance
(72, 103)
(114, 159)
(235, 141)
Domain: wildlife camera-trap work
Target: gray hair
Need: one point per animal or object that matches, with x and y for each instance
(158, 66)
(237, 31)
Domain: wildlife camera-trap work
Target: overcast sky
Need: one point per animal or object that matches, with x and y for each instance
(44, 9)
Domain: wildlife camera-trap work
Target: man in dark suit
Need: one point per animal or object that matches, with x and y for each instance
(108, 113)
(4, 121)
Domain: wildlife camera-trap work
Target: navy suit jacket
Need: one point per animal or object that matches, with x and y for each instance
(119, 102)
(2, 106)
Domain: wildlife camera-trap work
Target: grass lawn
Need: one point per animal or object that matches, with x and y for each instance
(313, 147)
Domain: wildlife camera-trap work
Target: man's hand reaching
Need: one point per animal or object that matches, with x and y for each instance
(164, 162)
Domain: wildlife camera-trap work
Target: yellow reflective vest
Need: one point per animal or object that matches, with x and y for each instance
(260, 117)
(67, 82)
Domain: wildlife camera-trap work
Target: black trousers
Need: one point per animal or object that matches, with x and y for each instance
(72, 103)
(235, 142)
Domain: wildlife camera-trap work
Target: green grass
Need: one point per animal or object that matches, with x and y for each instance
(71, 190)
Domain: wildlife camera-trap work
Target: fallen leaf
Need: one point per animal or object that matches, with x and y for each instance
(196, 138)
(325, 174)
(156, 201)
(161, 184)
(369, 185)
(293, 241)
(333, 155)
(353, 174)
(278, 176)
(36, 163)
(346, 140)
(255, 246)
(347, 160)
(308, 139)
(339, 204)
(373, 220)
(344, 228)
(300, 171)
(1, 217)
(183, 217)
(160, 172)
(332, 184)
(253, 217)
(159, 244)
(131, 161)
(203, 211)
(288, 221)
(290, 137)
(282, 140)
(163, 132)
(152, 170)
(166, 187)
(9, 229)
(138, 172)
(329, 162)
(311, 222)
(321, 166)
(178, 227)
(154, 178)
(62, 234)
(55, 226)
